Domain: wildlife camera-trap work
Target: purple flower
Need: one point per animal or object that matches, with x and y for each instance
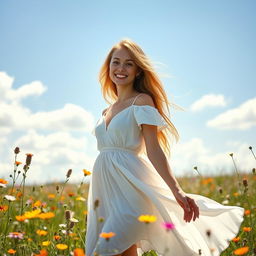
(168, 226)
(16, 235)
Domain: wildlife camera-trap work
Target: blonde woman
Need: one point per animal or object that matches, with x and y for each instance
(125, 185)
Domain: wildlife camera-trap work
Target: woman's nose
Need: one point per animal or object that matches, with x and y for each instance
(121, 66)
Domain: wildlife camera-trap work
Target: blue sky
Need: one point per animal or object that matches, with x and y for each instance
(203, 50)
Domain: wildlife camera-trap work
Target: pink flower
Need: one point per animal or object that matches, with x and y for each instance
(168, 226)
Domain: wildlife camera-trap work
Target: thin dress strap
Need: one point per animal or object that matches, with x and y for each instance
(136, 98)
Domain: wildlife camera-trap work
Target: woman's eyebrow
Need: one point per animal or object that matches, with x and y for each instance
(126, 59)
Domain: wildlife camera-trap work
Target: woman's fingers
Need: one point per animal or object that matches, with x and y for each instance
(194, 208)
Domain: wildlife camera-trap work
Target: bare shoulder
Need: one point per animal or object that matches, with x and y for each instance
(144, 99)
(104, 111)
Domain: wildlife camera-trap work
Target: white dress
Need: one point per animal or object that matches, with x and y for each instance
(127, 186)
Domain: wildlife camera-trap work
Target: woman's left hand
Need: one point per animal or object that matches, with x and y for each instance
(189, 206)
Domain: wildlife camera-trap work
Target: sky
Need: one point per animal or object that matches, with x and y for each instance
(50, 97)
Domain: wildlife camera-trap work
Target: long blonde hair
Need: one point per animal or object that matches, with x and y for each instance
(148, 82)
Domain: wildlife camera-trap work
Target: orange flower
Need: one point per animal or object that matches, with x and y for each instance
(85, 212)
(42, 253)
(3, 208)
(19, 194)
(207, 181)
(236, 194)
(61, 246)
(3, 181)
(32, 214)
(20, 218)
(57, 237)
(18, 163)
(236, 239)
(247, 212)
(247, 229)
(241, 251)
(41, 232)
(86, 172)
(79, 252)
(107, 236)
(11, 251)
(70, 194)
(46, 215)
(51, 196)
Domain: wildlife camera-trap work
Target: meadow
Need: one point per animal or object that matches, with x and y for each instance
(51, 219)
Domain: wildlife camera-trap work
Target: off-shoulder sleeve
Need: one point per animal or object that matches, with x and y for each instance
(146, 114)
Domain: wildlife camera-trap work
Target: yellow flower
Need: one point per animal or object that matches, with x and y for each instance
(80, 198)
(41, 232)
(32, 214)
(45, 243)
(86, 172)
(61, 246)
(37, 203)
(107, 236)
(241, 251)
(46, 215)
(147, 218)
(236, 194)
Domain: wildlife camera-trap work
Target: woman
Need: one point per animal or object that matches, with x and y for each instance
(125, 186)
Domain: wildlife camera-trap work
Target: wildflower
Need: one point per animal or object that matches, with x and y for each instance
(46, 215)
(41, 232)
(32, 214)
(43, 252)
(17, 163)
(147, 218)
(10, 198)
(20, 218)
(38, 203)
(3, 181)
(3, 208)
(56, 237)
(168, 226)
(61, 246)
(245, 182)
(247, 212)
(236, 239)
(79, 252)
(51, 196)
(107, 236)
(86, 172)
(236, 194)
(19, 194)
(241, 251)
(11, 251)
(28, 159)
(247, 229)
(85, 212)
(207, 181)
(79, 198)
(17, 150)
(18, 235)
(45, 243)
(69, 172)
(68, 214)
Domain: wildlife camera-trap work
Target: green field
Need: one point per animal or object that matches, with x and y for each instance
(51, 219)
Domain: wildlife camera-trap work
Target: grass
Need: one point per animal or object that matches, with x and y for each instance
(51, 219)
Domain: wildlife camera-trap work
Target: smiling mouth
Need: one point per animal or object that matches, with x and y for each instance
(120, 76)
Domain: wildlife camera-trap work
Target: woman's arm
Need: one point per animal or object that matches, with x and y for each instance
(160, 162)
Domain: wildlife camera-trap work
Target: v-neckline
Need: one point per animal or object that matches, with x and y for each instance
(104, 121)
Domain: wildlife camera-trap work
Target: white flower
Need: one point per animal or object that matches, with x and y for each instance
(2, 185)
(62, 225)
(73, 220)
(10, 198)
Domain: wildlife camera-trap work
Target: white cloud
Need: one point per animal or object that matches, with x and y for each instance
(55, 152)
(241, 118)
(209, 100)
(192, 153)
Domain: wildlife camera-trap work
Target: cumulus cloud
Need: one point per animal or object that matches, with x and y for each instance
(46, 134)
(241, 118)
(194, 152)
(209, 100)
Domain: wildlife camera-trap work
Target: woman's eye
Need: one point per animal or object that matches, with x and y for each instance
(115, 62)
(129, 64)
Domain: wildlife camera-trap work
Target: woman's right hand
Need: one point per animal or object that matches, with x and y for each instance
(188, 204)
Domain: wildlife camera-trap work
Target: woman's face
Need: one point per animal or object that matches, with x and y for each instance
(122, 68)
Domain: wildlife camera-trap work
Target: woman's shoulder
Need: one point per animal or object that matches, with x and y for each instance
(144, 99)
